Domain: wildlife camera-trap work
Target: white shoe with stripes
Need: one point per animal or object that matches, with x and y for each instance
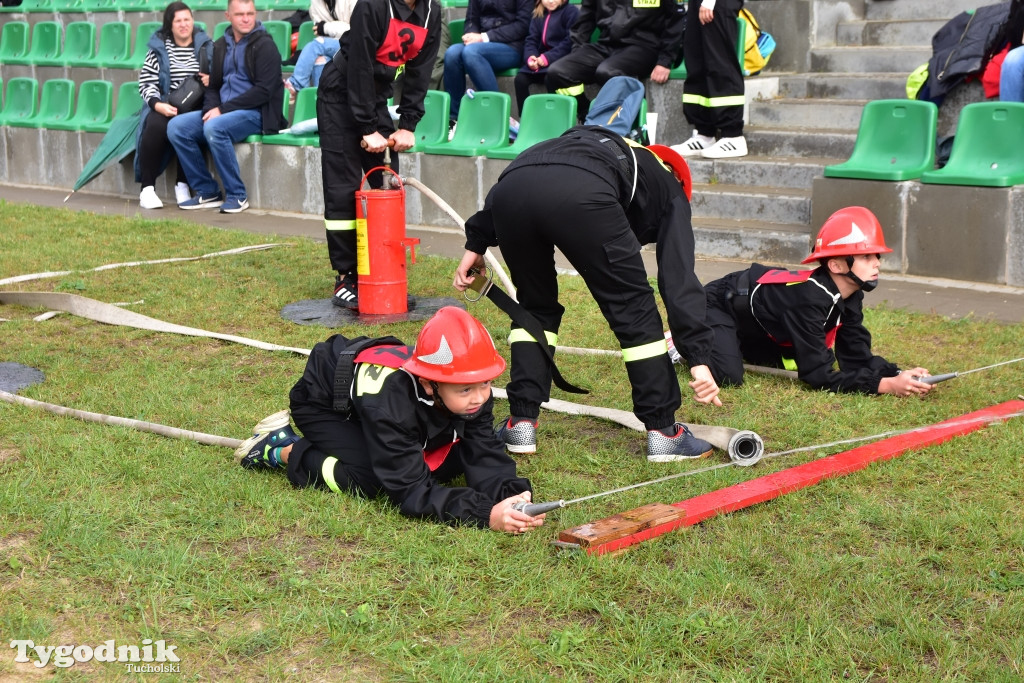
(694, 146)
(726, 148)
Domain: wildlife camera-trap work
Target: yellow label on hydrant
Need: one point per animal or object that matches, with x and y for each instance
(362, 248)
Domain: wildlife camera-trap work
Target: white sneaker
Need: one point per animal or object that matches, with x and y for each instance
(726, 148)
(695, 145)
(181, 193)
(148, 198)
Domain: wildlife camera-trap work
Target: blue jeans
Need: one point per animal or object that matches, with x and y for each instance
(307, 71)
(1011, 77)
(190, 135)
(479, 61)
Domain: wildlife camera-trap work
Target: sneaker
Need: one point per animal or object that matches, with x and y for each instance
(182, 193)
(148, 198)
(292, 91)
(683, 446)
(201, 202)
(695, 145)
(451, 130)
(513, 129)
(519, 436)
(270, 423)
(346, 292)
(258, 450)
(234, 205)
(726, 148)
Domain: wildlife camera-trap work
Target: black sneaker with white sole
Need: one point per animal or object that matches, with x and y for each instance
(346, 292)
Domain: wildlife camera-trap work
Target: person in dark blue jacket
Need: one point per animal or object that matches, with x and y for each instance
(550, 39)
(492, 40)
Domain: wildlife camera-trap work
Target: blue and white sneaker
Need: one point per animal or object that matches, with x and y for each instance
(270, 433)
(201, 202)
(234, 205)
(682, 446)
(519, 436)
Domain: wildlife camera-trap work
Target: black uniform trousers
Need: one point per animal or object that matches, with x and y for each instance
(596, 63)
(155, 150)
(343, 162)
(538, 208)
(713, 90)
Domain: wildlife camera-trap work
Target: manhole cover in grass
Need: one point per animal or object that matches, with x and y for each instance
(324, 312)
(15, 376)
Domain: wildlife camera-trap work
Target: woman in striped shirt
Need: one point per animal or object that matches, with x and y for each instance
(176, 52)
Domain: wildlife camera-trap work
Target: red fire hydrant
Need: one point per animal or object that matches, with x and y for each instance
(380, 246)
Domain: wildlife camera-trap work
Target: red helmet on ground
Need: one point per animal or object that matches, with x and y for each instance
(849, 232)
(455, 347)
(678, 164)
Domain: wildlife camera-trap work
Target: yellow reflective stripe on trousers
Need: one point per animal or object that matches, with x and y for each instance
(712, 102)
(521, 335)
(789, 364)
(645, 351)
(333, 225)
(571, 91)
(327, 473)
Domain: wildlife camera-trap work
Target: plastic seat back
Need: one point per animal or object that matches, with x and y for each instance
(305, 111)
(219, 28)
(79, 44)
(895, 141)
(95, 107)
(456, 27)
(545, 116)
(55, 105)
(986, 149)
(20, 102)
(281, 32)
(114, 44)
(143, 33)
(14, 42)
(306, 35)
(46, 42)
(433, 127)
(483, 125)
(129, 101)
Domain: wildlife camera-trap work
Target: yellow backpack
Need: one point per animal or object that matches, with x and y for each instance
(757, 46)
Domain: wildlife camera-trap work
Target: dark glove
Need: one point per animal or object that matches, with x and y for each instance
(320, 28)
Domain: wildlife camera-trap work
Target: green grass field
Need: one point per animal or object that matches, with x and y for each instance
(910, 570)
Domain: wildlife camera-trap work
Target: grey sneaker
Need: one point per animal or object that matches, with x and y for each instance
(683, 446)
(519, 436)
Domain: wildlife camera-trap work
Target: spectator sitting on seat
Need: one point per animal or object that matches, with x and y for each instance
(1011, 73)
(549, 40)
(637, 39)
(793, 319)
(173, 57)
(245, 97)
(330, 21)
(492, 41)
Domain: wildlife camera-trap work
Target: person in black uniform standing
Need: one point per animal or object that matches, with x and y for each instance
(380, 418)
(807, 320)
(598, 198)
(353, 119)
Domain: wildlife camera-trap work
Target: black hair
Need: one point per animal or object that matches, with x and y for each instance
(169, 13)
(1010, 33)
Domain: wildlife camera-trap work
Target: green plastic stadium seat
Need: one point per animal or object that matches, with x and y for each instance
(433, 127)
(986, 149)
(306, 35)
(114, 45)
(45, 43)
(679, 70)
(95, 106)
(128, 103)
(99, 5)
(456, 27)
(281, 32)
(55, 106)
(79, 44)
(28, 6)
(483, 125)
(20, 102)
(14, 42)
(143, 33)
(895, 141)
(219, 28)
(545, 116)
(305, 109)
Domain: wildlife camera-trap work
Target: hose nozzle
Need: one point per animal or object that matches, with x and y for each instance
(534, 509)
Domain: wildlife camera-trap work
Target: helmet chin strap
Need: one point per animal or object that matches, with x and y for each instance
(467, 417)
(865, 286)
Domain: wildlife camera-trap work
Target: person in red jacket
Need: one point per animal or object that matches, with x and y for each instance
(807, 320)
(380, 418)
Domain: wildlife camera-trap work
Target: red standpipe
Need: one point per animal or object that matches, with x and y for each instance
(380, 247)
(771, 486)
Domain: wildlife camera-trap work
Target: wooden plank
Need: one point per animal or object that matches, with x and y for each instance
(773, 485)
(622, 524)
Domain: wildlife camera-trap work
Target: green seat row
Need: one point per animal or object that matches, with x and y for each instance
(58, 6)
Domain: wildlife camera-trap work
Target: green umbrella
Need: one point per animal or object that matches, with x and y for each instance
(118, 143)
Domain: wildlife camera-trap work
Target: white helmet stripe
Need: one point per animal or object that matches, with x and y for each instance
(856, 236)
(443, 355)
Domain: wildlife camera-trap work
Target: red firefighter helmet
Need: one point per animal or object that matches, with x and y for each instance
(455, 347)
(849, 232)
(679, 167)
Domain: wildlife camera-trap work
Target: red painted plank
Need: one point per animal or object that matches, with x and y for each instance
(786, 481)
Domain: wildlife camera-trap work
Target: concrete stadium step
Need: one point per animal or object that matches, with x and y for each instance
(852, 60)
(751, 240)
(915, 9)
(737, 202)
(862, 86)
(899, 32)
(782, 172)
(803, 142)
(807, 113)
